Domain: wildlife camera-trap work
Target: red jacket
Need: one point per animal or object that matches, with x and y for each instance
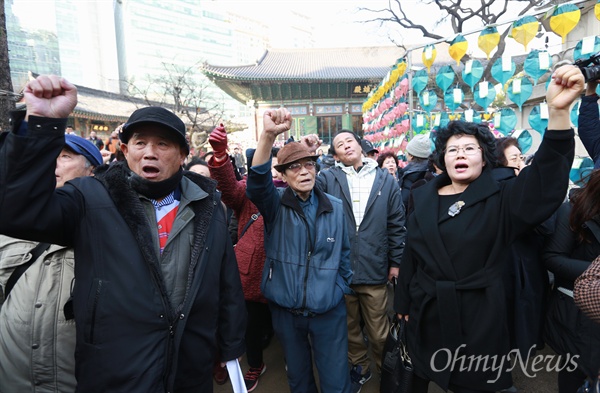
(250, 249)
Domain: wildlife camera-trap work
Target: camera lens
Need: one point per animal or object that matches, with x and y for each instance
(591, 73)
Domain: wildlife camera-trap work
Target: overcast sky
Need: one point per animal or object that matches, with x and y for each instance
(338, 23)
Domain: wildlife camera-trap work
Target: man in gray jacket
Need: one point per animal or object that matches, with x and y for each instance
(37, 336)
(375, 220)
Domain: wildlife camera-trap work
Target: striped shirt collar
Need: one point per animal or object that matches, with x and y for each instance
(169, 199)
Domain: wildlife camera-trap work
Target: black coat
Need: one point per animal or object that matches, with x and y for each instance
(526, 282)
(567, 329)
(451, 273)
(129, 336)
(411, 174)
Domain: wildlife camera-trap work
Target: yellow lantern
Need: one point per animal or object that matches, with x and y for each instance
(564, 19)
(458, 48)
(488, 40)
(524, 30)
(428, 56)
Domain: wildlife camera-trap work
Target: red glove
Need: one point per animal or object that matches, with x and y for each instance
(218, 141)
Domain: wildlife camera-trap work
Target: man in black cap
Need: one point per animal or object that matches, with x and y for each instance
(159, 290)
(307, 269)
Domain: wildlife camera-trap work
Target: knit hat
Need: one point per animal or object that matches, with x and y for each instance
(85, 148)
(419, 146)
(291, 152)
(157, 115)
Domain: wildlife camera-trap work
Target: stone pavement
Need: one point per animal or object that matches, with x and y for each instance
(274, 379)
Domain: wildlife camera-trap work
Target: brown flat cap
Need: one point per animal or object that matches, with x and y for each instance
(291, 152)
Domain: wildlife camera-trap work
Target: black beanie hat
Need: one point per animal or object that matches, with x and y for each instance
(157, 115)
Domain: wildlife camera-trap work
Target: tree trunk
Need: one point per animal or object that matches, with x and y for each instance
(6, 100)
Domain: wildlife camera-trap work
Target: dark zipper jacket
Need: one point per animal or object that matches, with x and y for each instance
(304, 274)
(378, 243)
(129, 336)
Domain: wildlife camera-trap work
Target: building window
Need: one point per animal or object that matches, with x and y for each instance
(327, 126)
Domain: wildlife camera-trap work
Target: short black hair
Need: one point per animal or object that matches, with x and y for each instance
(332, 147)
(195, 161)
(481, 131)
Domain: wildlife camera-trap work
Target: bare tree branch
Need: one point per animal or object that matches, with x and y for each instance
(453, 13)
(183, 90)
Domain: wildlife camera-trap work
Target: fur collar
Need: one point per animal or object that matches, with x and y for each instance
(117, 180)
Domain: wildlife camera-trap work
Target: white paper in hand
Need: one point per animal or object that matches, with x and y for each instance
(236, 377)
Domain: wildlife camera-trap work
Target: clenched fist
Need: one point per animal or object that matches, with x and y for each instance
(218, 140)
(50, 96)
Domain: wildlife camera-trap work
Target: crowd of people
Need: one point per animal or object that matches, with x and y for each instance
(127, 266)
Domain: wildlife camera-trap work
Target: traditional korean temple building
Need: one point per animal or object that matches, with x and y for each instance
(324, 89)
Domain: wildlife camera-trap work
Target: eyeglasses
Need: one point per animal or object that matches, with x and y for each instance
(469, 150)
(295, 167)
(516, 159)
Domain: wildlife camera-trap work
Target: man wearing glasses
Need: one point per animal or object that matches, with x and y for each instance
(307, 269)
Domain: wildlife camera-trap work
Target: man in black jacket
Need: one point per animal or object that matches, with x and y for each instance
(159, 290)
(375, 219)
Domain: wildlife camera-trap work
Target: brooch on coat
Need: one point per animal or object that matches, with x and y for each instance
(454, 209)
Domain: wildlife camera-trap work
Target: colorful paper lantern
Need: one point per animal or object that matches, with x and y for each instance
(591, 48)
(519, 91)
(564, 19)
(453, 98)
(501, 75)
(428, 56)
(419, 122)
(488, 97)
(537, 121)
(445, 77)
(507, 120)
(428, 100)
(488, 40)
(580, 170)
(420, 79)
(524, 30)
(472, 73)
(525, 141)
(458, 48)
(534, 67)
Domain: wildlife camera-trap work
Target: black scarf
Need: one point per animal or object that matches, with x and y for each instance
(155, 189)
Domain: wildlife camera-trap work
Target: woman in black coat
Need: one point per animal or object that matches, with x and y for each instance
(569, 252)
(450, 288)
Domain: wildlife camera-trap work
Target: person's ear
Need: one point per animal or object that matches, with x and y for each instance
(124, 149)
